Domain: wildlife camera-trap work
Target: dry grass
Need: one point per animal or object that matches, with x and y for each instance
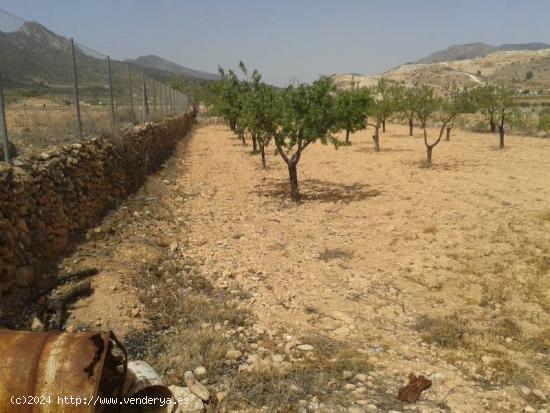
(184, 310)
(444, 331)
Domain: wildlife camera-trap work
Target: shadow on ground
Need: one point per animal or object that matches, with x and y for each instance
(318, 190)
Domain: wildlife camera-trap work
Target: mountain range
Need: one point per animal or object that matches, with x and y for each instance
(33, 54)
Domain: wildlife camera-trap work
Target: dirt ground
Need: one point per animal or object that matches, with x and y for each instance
(442, 271)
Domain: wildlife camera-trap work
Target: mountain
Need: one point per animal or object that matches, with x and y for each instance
(526, 71)
(35, 60)
(473, 50)
(158, 64)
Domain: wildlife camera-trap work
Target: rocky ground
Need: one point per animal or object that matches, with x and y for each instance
(385, 268)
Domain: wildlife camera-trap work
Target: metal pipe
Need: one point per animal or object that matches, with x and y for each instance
(111, 95)
(76, 93)
(4, 126)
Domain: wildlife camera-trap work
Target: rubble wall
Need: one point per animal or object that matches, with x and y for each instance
(45, 199)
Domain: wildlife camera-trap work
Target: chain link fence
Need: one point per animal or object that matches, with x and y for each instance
(55, 90)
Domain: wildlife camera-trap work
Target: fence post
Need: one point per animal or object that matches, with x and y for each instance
(160, 101)
(111, 96)
(155, 107)
(76, 93)
(130, 88)
(144, 98)
(3, 126)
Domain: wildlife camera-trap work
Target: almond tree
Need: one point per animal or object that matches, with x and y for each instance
(408, 106)
(306, 116)
(228, 100)
(351, 110)
(486, 100)
(443, 110)
(506, 111)
(260, 112)
(385, 102)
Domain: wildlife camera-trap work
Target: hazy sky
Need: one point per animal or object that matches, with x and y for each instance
(287, 39)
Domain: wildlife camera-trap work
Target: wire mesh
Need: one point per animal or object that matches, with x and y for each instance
(38, 84)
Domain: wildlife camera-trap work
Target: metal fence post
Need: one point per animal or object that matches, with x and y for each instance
(130, 88)
(76, 94)
(3, 126)
(144, 98)
(155, 107)
(111, 96)
(160, 100)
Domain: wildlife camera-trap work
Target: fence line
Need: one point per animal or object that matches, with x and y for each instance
(55, 90)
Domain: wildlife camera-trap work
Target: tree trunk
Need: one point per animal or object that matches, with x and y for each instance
(411, 126)
(347, 136)
(384, 125)
(293, 175)
(254, 144)
(493, 126)
(243, 139)
(376, 139)
(501, 132)
(263, 157)
(448, 135)
(429, 155)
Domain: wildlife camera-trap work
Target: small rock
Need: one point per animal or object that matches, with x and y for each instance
(437, 376)
(305, 347)
(196, 387)
(221, 395)
(526, 391)
(487, 359)
(200, 371)
(135, 312)
(188, 402)
(371, 408)
(361, 377)
(346, 374)
(233, 354)
(355, 409)
(529, 409)
(70, 328)
(540, 394)
(37, 325)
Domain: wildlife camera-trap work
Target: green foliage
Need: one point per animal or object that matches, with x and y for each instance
(386, 100)
(544, 120)
(307, 115)
(351, 109)
(426, 104)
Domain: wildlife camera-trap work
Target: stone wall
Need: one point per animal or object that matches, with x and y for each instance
(45, 199)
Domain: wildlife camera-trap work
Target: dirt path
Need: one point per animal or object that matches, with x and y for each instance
(441, 271)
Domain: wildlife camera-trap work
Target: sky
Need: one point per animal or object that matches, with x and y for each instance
(288, 40)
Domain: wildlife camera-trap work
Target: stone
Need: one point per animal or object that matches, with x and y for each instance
(200, 371)
(233, 354)
(529, 409)
(361, 377)
(540, 394)
(355, 409)
(186, 401)
(36, 325)
(221, 396)
(304, 347)
(196, 387)
(371, 408)
(526, 391)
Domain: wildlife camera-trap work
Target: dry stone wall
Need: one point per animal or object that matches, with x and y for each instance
(45, 199)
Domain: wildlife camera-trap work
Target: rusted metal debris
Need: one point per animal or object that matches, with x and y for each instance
(411, 392)
(59, 364)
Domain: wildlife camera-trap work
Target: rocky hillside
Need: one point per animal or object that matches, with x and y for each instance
(473, 50)
(525, 71)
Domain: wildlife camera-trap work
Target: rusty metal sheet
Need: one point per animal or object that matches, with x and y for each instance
(51, 364)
